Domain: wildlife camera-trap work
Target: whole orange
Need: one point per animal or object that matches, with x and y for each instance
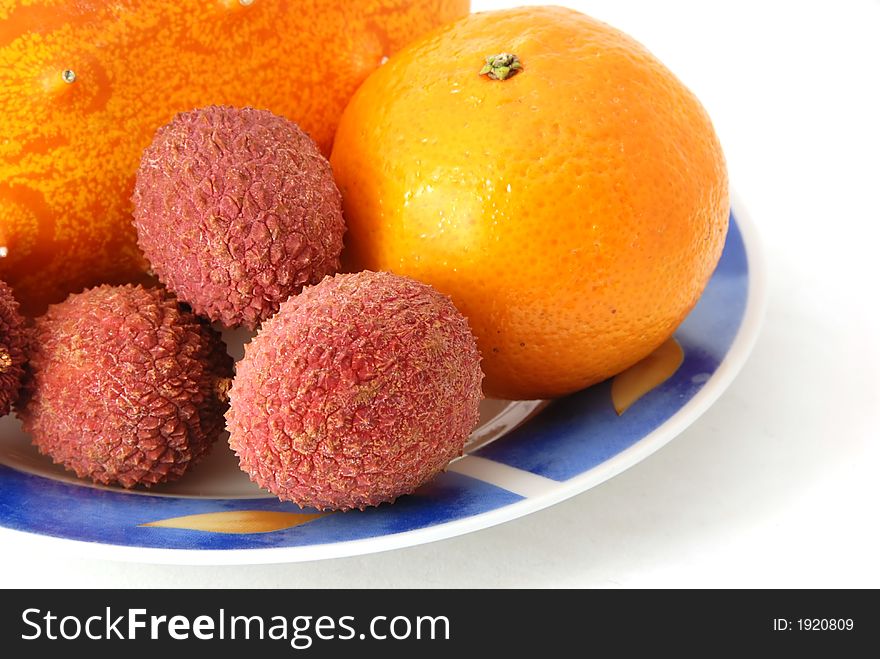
(85, 84)
(574, 211)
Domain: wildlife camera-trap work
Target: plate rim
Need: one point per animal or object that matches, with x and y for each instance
(728, 369)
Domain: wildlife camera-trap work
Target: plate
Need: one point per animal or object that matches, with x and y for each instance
(523, 457)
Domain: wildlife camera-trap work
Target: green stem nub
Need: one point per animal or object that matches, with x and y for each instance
(501, 66)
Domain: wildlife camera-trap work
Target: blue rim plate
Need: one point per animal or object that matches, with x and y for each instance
(559, 450)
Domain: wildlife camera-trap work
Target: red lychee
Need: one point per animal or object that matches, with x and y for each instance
(357, 391)
(123, 386)
(236, 209)
(13, 340)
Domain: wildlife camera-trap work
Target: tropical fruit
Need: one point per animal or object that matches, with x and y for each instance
(13, 344)
(124, 386)
(236, 210)
(357, 391)
(84, 85)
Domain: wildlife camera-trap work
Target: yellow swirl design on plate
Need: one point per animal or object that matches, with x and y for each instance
(238, 521)
(633, 383)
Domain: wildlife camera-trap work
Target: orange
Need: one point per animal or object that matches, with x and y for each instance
(574, 211)
(71, 141)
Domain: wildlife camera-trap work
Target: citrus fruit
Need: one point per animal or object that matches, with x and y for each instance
(549, 174)
(84, 85)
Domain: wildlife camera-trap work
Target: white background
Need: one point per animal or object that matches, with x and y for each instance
(777, 485)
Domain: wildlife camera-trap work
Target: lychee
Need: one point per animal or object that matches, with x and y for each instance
(124, 386)
(357, 391)
(236, 209)
(13, 340)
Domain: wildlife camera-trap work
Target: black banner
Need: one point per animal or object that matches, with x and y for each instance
(433, 623)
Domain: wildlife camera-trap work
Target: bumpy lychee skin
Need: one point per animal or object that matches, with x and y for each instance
(123, 386)
(13, 341)
(357, 391)
(236, 210)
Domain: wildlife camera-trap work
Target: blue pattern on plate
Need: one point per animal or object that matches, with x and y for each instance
(33, 503)
(582, 431)
(568, 438)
